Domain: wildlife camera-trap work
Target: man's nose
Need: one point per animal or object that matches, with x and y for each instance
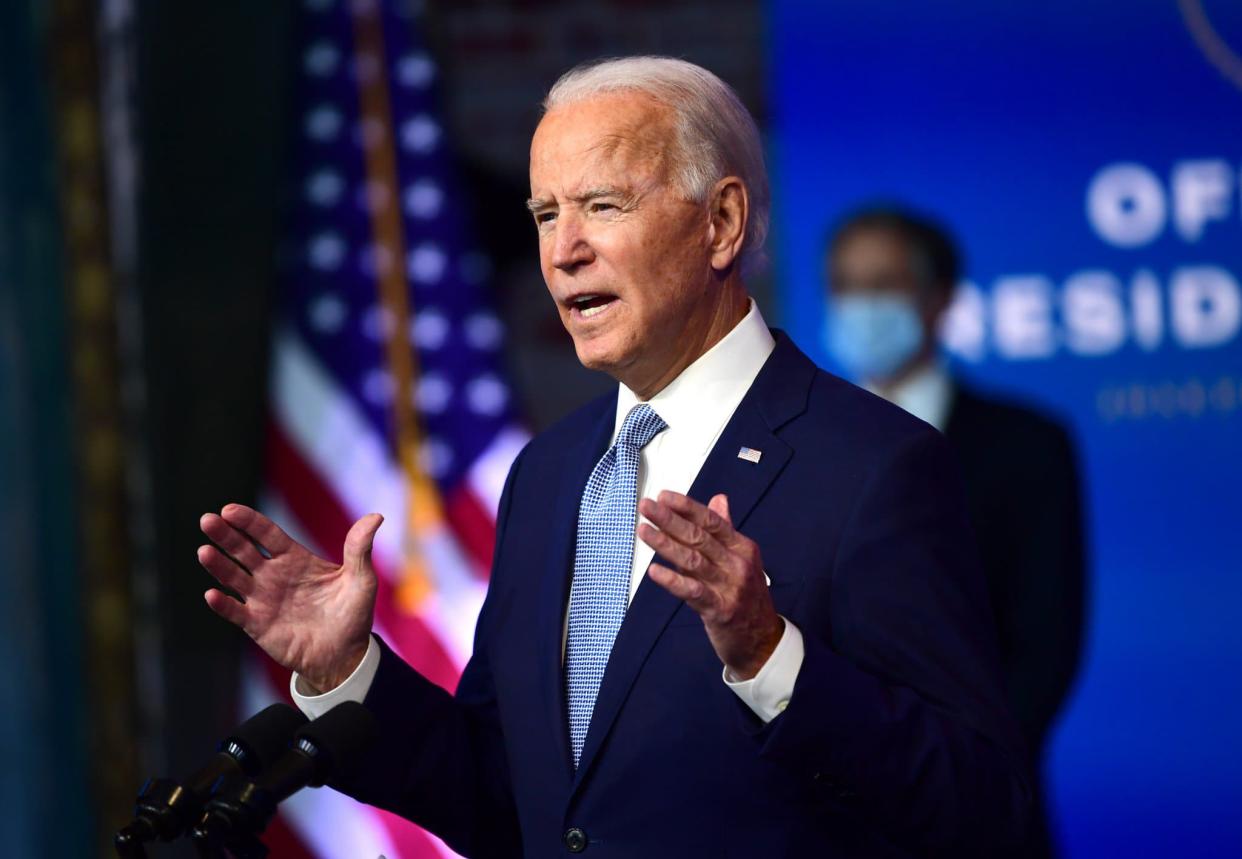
(570, 248)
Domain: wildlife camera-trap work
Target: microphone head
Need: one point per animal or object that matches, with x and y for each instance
(166, 807)
(336, 740)
(260, 740)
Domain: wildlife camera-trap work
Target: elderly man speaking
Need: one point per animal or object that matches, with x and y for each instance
(734, 609)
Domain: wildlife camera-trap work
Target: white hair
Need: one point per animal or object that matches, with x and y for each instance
(715, 133)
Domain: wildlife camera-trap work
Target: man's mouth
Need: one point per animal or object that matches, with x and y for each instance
(590, 305)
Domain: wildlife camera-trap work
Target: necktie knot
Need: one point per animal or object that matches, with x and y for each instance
(640, 426)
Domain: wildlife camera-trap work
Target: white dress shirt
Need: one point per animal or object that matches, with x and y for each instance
(696, 406)
(927, 394)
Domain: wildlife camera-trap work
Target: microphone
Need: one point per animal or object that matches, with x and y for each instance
(165, 809)
(324, 749)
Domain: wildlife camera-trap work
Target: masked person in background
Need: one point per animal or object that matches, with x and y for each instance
(891, 276)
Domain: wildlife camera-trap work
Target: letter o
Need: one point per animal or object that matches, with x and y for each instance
(1126, 205)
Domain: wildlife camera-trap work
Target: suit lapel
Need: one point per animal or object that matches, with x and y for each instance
(778, 394)
(554, 587)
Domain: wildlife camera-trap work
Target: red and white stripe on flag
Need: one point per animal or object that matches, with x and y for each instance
(387, 391)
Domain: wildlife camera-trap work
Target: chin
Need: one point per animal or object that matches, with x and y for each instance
(599, 354)
(594, 358)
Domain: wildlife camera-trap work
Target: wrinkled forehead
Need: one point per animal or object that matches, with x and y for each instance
(623, 132)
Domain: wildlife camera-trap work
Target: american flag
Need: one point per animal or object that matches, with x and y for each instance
(387, 393)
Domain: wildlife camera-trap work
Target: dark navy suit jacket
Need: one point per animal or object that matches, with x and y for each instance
(896, 741)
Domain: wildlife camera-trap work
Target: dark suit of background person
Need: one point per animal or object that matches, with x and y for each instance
(844, 532)
(1019, 466)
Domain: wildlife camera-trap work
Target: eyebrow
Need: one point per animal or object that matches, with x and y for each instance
(539, 204)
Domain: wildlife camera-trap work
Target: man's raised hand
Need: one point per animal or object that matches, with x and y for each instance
(307, 613)
(719, 574)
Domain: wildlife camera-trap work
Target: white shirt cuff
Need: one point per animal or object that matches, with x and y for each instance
(355, 687)
(769, 691)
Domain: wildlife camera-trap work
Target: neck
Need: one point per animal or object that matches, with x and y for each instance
(732, 307)
(914, 366)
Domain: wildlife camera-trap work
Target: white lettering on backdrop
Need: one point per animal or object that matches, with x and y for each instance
(1096, 312)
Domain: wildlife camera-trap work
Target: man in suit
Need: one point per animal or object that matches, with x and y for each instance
(892, 274)
(735, 608)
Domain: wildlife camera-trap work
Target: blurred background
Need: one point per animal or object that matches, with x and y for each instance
(278, 254)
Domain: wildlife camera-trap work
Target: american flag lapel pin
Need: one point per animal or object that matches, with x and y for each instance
(749, 454)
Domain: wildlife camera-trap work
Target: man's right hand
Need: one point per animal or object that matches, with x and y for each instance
(308, 614)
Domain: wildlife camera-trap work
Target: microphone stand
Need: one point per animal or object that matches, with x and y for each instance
(207, 849)
(210, 842)
(156, 794)
(128, 843)
(215, 833)
(166, 808)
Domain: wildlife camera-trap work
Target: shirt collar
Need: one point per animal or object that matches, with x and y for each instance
(707, 392)
(926, 394)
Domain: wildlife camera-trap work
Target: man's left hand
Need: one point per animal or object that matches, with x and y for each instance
(719, 574)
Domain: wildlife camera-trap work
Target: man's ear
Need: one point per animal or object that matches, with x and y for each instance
(935, 304)
(730, 209)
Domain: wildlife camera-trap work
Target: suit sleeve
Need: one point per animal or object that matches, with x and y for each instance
(897, 712)
(1042, 597)
(439, 759)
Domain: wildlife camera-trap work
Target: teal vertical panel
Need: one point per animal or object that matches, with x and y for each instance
(44, 797)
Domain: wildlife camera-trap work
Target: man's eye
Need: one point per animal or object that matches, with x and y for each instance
(602, 207)
(545, 218)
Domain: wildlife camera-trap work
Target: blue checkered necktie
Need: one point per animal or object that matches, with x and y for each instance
(600, 594)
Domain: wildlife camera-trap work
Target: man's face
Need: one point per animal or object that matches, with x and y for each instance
(869, 260)
(624, 254)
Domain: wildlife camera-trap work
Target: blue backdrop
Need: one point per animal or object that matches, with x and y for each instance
(1089, 157)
